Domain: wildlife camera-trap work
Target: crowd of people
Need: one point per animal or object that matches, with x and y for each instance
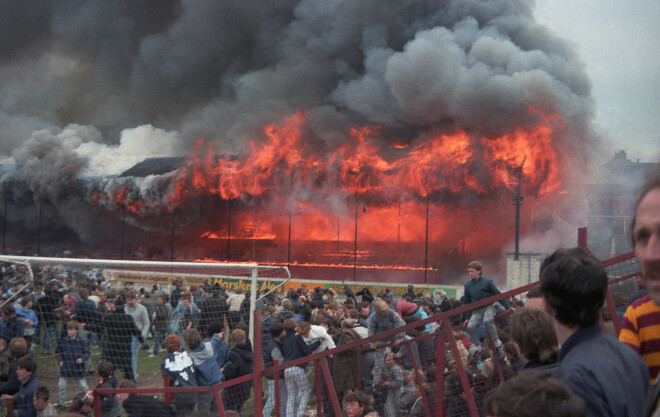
(545, 354)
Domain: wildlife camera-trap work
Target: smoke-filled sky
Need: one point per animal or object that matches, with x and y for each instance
(93, 72)
(90, 88)
(618, 42)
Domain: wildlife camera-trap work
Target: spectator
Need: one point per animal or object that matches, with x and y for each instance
(14, 325)
(82, 404)
(358, 405)
(392, 383)
(641, 321)
(531, 394)
(72, 352)
(234, 301)
(4, 357)
(160, 321)
(85, 311)
(611, 378)
(294, 347)
(477, 289)
(240, 363)
(212, 309)
(45, 309)
(190, 314)
(17, 349)
(120, 329)
(441, 300)
(271, 353)
(175, 294)
(24, 399)
(142, 405)
(382, 320)
(536, 339)
(347, 372)
(41, 403)
(141, 319)
(30, 319)
(110, 407)
(206, 366)
(178, 368)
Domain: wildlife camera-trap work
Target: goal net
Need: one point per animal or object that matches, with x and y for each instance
(126, 311)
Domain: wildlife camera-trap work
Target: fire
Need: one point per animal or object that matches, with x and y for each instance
(447, 185)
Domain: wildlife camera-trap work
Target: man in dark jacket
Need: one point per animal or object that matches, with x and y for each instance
(608, 375)
(24, 399)
(212, 309)
(119, 329)
(241, 362)
(45, 307)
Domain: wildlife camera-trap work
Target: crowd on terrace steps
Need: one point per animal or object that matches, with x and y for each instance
(199, 334)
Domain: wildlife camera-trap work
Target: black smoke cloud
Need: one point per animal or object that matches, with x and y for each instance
(86, 87)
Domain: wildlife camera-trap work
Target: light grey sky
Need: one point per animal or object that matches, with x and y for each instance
(619, 43)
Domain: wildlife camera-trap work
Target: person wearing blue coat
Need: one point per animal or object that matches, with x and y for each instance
(24, 399)
(72, 352)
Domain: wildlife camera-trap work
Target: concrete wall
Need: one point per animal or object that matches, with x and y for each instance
(523, 271)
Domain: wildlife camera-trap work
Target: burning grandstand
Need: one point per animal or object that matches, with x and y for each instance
(315, 134)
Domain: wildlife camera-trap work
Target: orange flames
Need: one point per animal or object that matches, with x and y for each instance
(387, 193)
(448, 162)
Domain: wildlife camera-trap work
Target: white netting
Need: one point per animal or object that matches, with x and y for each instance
(125, 311)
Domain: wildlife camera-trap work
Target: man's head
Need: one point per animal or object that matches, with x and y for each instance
(238, 337)
(303, 328)
(365, 309)
(104, 369)
(277, 331)
(531, 394)
(574, 284)
(25, 367)
(131, 299)
(41, 396)
(474, 269)
(646, 235)
(533, 332)
(356, 402)
(192, 338)
(381, 308)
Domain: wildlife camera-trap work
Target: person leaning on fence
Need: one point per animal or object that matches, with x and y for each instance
(530, 394)
(206, 366)
(178, 368)
(240, 363)
(72, 352)
(142, 405)
(608, 375)
(294, 347)
(273, 352)
(382, 320)
(476, 289)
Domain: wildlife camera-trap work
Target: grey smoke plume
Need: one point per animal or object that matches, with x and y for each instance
(78, 80)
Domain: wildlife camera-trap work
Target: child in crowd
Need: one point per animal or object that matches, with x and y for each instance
(206, 366)
(178, 368)
(71, 353)
(41, 404)
(110, 407)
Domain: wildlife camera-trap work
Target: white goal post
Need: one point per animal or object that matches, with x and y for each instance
(227, 274)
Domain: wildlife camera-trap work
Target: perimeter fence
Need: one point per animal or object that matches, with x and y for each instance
(435, 377)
